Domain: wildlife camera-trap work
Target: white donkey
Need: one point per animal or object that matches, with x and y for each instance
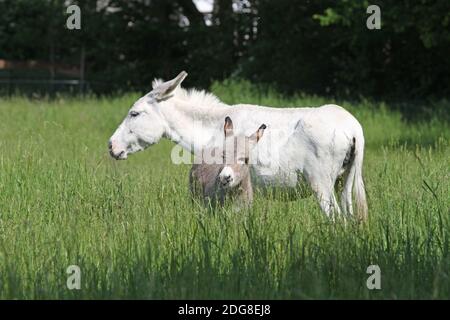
(316, 145)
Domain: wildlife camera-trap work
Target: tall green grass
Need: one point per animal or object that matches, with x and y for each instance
(132, 229)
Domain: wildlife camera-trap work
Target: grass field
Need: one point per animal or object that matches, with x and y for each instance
(131, 228)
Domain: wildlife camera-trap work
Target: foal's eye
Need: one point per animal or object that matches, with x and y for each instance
(243, 160)
(134, 114)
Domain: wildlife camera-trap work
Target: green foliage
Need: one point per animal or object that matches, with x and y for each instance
(134, 232)
(319, 47)
(325, 47)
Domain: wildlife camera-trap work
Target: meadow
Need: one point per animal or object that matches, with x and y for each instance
(134, 232)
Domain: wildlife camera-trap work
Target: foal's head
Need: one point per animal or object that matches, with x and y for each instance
(237, 155)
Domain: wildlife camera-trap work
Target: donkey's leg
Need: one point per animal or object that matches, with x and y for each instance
(349, 177)
(343, 190)
(327, 200)
(336, 207)
(322, 187)
(346, 196)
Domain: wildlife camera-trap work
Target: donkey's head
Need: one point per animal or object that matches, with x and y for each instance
(144, 124)
(237, 155)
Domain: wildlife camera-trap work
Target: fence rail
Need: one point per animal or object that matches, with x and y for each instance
(50, 86)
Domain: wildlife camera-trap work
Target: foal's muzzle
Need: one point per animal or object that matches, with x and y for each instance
(226, 177)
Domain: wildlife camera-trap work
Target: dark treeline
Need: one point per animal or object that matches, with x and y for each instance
(321, 47)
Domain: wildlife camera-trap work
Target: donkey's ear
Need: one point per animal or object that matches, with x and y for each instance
(156, 83)
(258, 134)
(228, 127)
(163, 90)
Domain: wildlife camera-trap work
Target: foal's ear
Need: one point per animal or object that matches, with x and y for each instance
(163, 90)
(258, 134)
(228, 127)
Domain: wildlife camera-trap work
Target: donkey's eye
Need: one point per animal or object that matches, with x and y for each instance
(134, 114)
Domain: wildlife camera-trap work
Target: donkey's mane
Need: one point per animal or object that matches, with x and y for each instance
(199, 98)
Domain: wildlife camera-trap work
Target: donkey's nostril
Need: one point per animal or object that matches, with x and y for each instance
(121, 155)
(118, 156)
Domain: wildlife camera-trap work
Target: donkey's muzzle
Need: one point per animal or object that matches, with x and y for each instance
(116, 154)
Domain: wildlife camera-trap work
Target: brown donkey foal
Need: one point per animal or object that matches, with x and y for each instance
(229, 175)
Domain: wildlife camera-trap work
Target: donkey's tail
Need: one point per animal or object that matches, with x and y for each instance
(358, 187)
